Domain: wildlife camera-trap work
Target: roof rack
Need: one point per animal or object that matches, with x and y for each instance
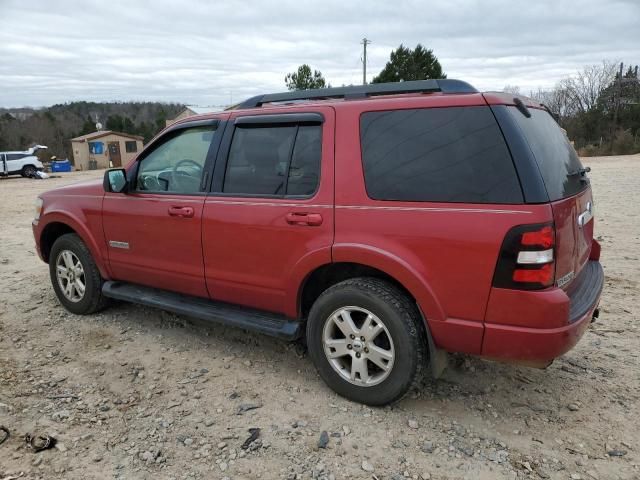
(362, 91)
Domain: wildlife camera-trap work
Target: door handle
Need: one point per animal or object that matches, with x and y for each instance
(184, 212)
(311, 219)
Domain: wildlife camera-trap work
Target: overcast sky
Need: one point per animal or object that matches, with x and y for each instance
(212, 52)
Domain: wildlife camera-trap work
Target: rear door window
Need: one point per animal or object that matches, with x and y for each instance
(455, 154)
(557, 160)
(304, 171)
(274, 160)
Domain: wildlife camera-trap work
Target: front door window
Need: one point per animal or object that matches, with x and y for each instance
(177, 164)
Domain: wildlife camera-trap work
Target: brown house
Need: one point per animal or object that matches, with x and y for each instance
(104, 149)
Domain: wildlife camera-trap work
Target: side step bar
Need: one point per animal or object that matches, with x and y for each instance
(234, 316)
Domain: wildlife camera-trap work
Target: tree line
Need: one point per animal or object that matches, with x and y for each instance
(597, 106)
(56, 125)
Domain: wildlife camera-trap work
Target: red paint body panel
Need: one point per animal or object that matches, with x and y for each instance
(164, 251)
(595, 250)
(454, 335)
(573, 243)
(540, 309)
(507, 342)
(80, 207)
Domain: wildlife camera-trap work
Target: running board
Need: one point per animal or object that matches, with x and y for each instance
(227, 314)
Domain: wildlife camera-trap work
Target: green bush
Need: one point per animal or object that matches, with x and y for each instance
(624, 143)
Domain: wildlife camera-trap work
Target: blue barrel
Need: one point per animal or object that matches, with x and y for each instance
(61, 166)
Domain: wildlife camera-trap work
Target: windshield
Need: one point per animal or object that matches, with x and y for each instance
(558, 162)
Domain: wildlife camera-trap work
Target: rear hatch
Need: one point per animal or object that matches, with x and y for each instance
(568, 187)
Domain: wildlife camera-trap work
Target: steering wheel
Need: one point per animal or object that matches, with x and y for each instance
(183, 181)
(187, 161)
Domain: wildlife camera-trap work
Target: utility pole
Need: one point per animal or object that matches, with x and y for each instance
(365, 41)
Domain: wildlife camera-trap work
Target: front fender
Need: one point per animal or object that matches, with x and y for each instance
(79, 224)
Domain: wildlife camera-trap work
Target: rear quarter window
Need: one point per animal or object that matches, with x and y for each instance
(557, 160)
(455, 154)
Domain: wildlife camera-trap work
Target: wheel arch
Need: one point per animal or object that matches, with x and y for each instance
(58, 225)
(329, 274)
(378, 265)
(24, 167)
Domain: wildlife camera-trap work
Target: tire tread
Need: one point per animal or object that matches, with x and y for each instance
(97, 301)
(407, 313)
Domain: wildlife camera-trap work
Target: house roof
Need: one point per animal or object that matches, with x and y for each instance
(202, 110)
(104, 133)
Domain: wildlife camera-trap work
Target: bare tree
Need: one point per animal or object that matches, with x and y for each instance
(557, 100)
(584, 88)
(513, 89)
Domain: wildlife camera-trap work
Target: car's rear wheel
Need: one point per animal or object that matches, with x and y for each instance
(28, 170)
(75, 276)
(366, 338)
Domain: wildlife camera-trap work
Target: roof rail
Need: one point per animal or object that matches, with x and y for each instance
(362, 91)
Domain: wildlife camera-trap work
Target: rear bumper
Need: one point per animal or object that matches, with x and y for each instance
(525, 343)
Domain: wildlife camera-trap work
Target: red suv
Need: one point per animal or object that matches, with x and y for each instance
(386, 224)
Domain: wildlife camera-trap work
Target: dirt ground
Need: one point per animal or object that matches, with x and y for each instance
(135, 392)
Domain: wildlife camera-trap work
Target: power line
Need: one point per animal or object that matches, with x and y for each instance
(365, 41)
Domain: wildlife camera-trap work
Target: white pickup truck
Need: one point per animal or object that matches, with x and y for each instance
(25, 163)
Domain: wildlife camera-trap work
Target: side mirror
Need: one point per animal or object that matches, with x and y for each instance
(115, 181)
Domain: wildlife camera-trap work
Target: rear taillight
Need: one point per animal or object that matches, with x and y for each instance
(527, 260)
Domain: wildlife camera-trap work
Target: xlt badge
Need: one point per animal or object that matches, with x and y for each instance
(565, 279)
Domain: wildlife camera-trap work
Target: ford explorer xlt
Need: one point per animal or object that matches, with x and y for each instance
(385, 224)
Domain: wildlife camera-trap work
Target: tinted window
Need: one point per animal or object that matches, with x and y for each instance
(273, 160)
(557, 160)
(16, 156)
(453, 154)
(177, 164)
(305, 163)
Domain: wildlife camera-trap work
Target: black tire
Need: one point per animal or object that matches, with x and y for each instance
(92, 301)
(400, 316)
(28, 170)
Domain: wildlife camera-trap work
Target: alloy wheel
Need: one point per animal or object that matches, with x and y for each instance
(70, 276)
(358, 346)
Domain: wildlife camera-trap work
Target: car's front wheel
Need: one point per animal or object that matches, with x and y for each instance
(28, 171)
(366, 339)
(75, 276)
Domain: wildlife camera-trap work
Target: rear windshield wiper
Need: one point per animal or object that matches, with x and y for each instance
(522, 108)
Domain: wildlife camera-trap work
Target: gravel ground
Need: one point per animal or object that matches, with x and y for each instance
(140, 393)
